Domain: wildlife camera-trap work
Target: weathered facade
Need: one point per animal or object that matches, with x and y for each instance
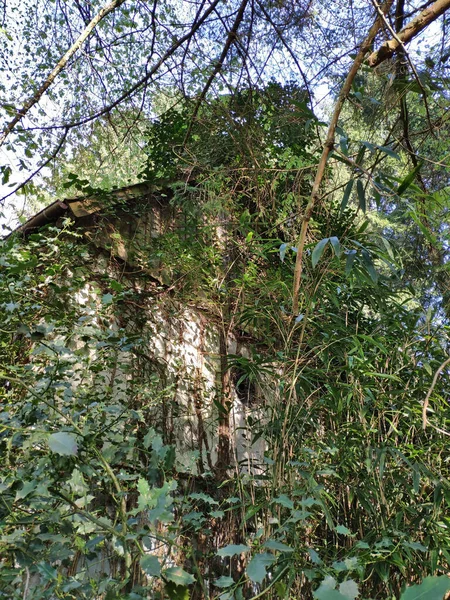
(187, 343)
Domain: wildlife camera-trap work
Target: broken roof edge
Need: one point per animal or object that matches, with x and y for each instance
(83, 205)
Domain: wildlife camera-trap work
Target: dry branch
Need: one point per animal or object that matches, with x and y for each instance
(413, 28)
(328, 146)
(59, 67)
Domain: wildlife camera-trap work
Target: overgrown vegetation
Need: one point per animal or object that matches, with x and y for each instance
(351, 498)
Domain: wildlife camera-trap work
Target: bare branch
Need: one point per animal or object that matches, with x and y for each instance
(404, 52)
(52, 156)
(59, 67)
(413, 28)
(328, 146)
(231, 37)
(144, 80)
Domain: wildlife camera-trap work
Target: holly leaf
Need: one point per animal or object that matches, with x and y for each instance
(178, 576)
(150, 565)
(275, 545)
(232, 550)
(283, 499)
(257, 567)
(224, 582)
(431, 588)
(204, 497)
(343, 530)
(177, 592)
(63, 443)
(349, 589)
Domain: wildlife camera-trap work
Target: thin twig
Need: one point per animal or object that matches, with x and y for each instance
(408, 58)
(328, 146)
(52, 156)
(430, 391)
(59, 67)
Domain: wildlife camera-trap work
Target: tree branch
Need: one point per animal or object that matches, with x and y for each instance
(145, 79)
(231, 38)
(328, 146)
(413, 28)
(52, 156)
(59, 67)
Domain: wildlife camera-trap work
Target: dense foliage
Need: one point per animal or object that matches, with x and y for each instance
(352, 497)
(312, 235)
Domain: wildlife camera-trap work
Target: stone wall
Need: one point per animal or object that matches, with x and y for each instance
(183, 348)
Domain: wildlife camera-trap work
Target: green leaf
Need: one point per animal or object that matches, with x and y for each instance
(47, 572)
(145, 494)
(349, 589)
(369, 146)
(232, 550)
(342, 529)
(351, 255)
(389, 152)
(334, 241)
(27, 488)
(328, 594)
(178, 576)
(343, 143)
(415, 546)
(107, 299)
(368, 263)
(318, 251)
(326, 590)
(63, 443)
(116, 286)
(360, 155)
(404, 185)
(283, 249)
(361, 195)
(224, 582)
(315, 558)
(150, 565)
(177, 592)
(257, 567)
(276, 545)
(346, 196)
(431, 588)
(203, 497)
(388, 248)
(283, 499)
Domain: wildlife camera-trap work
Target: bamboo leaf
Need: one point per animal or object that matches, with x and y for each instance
(361, 195)
(318, 251)
(408, 179)
(346, 196)
(351, 255)
(334, 241)
(389, 152)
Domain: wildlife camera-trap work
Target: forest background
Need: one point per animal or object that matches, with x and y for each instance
(342, 210)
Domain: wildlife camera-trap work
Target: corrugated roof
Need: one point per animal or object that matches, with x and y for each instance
(79, 207)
